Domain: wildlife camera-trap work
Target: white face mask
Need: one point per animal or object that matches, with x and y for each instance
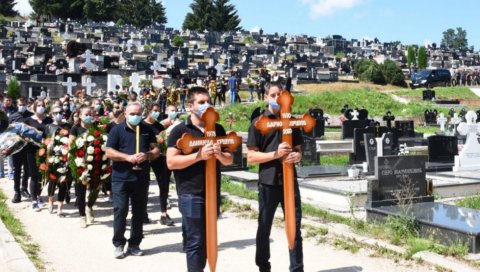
(22, 109)
(58, 117)
(40, 110)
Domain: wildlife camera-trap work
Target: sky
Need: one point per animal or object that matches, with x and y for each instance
(409, 21)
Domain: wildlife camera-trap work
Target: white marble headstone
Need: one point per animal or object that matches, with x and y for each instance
(89, 85)
(69, 84)
(135, 81)
(442, 120)
(469, 157)
(88, 60)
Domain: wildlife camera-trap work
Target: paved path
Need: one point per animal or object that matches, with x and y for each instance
(475, 90)
(66, 247)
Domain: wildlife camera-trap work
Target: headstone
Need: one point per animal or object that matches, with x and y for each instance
(88, 60)
(442, 120)
(405, 128)
(397, 178)
(385, 145)
(69, 84)
(455, 121)
(428, 95)
(89, 85)
(310, 156)
(370, 150)
(430, 117)
(469, 157)
(442, 149)
(349, 126)
(388, 118)
(355, 115)
(319, 129)
(135, 81)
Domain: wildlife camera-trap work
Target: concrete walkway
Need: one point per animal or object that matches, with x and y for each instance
(67, 247)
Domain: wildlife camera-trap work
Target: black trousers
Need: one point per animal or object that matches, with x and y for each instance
(19, 162)
(268, 199)
(62, 189)
(35, 186)
(81, 193)
(162, 174)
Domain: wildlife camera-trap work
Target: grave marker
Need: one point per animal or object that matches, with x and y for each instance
(469, 157)
(69, 84)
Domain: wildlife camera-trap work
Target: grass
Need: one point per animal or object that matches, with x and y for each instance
(254, 168)
(350, 245)
(472, 202)
(440, 93)
(334, 159)
(342, 86)
(21, 236)
(238, 190)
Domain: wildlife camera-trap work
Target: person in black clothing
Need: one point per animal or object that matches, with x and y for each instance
(20, 158)
(159, 166)
(38, 120)
(129, 183)
(86, 119)
(189, 171)
(51, 131)
(269, 151)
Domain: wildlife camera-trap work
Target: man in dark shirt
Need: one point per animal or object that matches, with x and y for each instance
(189, 171)
(269, 151)
(128, 183)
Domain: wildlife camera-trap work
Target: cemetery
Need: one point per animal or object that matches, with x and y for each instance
(379, 154)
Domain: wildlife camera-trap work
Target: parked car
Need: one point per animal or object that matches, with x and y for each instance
(431, 78)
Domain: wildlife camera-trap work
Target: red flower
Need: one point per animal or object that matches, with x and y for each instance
(52, 176)
(64, 132)
(97, 142)
(80, 170)
(65, 158)
(98, 158)
(41, 152)
(97, 150)
(43, 167)
(80, 153)
(97, 133)
(108, 170)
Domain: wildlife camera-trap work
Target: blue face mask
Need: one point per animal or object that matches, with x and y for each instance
(87, 119)
(202, 108)
(155, 114)
(72, 107)
(134, 119)
(172, 115)
(274, 105)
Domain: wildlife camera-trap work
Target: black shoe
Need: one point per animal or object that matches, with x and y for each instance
(25, 194)
(135, 251)
(147, 220)
(16, 198)
(166, 220)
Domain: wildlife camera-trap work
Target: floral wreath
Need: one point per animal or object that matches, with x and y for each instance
(88, 160)
(52, 157)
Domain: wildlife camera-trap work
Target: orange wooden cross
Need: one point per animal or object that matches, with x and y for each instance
(264, 124)
(187, 143)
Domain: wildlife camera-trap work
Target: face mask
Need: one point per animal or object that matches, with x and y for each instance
(58, 117)
(40, 110)
(87, 119)
(22, 109)
(172, 115)
(274, 105)
(134, 119)
(155, 114)
(202, 108)
(97, 107)
(72, 107)
(65, 108)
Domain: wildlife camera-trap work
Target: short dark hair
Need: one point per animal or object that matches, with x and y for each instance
(152, 105)
(271, 85)
(22, 99)
(194, 91)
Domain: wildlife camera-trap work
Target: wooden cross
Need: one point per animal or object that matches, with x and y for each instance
(69, 84)
(187, 143)
(286, 123)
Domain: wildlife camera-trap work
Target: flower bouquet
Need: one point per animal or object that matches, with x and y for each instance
(88, 161)
(162, 141)
(10, 143)
(52, 157)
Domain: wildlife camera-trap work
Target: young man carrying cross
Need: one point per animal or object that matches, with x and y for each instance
(190, 172)
(269, 151)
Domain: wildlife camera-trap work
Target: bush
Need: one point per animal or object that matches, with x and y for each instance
(13, 89)
(388, 72)
(393, 73)
(177, 41)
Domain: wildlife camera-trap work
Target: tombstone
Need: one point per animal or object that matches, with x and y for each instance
(239, 162)
(89, 66)
(430, 117)
(469, 157)
(89, 85)
(442, 149)
(455, 121)
(114, 83)
(349, 126)
(442, 120)
(310, 156)
(388, 118)
(358, 155)
(394, 176)
(319, 129)
(370, 150)
(428, 95)
(69, 84)
(135, 81)
(405, 128)
(385, 144)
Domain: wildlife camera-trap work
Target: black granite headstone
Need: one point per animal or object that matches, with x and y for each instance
(442, 148)
(239, 162)
(349, 126)
(387, 144)
(370, 150)
(309, 151)
(428, 95)
(319, 129)
(405, 128)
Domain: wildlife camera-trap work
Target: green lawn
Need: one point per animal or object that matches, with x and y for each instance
(440, 93)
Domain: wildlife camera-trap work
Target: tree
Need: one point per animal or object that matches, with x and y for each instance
(140, 13)
(177, 41)
(100, 10)
(455, 40)
(200, 17)
(158, 13)
(410, 56)
(13, 89)
(388, 72)
(393, 73)
(225, 17)
(6, 8)
(422, 57)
